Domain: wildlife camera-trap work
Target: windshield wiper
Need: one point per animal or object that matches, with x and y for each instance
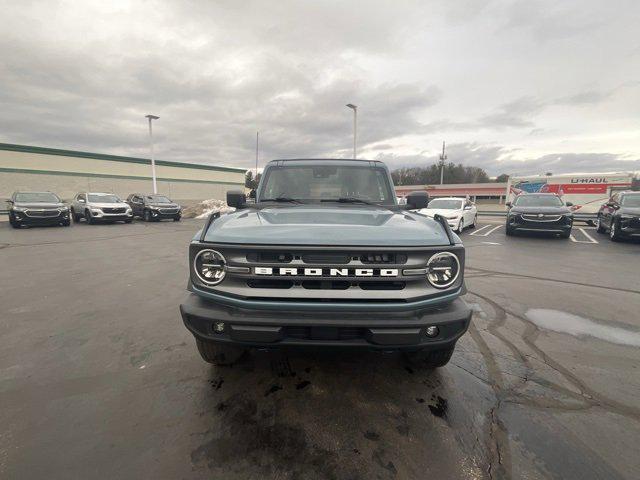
(281, 200)
(349, 200)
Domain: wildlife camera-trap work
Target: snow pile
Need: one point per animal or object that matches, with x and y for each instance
(205, 208)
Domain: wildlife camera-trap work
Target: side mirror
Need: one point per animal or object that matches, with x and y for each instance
(569, 204)
(81, 200)
(236, 199)
(468, 207)
(252, 194)
(508, 204)
(417, 200)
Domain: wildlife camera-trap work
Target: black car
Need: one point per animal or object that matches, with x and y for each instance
(154, 207)
(539, 212)
(37, 208)
(620, 216)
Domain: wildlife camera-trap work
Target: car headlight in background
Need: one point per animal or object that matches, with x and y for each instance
(443, 269)
(64, 209)
(19, 209)
(210, 267)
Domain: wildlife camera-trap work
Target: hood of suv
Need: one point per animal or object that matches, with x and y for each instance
(109, 205)
(326, 225)
(39, 205)
(531, 210)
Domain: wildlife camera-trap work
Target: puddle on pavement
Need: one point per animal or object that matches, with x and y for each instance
(577, 326)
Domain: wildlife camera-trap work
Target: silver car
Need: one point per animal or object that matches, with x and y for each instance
(100, 207)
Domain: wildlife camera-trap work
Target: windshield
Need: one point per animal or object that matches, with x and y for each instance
(37, 197)
(445, 204)
(99, 198)
(158, 199)
(631, 201)
(538, 201)
(315, 183)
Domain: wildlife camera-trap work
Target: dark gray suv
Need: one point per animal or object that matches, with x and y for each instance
(326, 258)
(153, 207)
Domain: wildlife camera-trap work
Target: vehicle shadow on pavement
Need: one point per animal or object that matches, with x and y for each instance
(332, 414)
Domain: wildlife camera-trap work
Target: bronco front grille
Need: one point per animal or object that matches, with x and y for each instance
(325, 333)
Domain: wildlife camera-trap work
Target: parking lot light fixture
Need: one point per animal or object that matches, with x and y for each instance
(153, 161)
(355, 126)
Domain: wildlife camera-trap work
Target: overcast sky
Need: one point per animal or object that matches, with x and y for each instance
(512, 86)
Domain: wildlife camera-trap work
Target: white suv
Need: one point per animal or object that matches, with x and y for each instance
(459, 212)
(94, 207)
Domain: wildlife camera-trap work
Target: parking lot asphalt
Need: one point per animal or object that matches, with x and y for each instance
(100, 379)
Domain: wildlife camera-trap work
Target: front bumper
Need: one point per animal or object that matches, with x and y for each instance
(516, 222)
(629, 227)
(24, 219)
(159, 215)
(111, 217)
(375, 330)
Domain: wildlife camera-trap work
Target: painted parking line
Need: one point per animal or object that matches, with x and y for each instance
(486, 233)
(589, 238)
(475, 232)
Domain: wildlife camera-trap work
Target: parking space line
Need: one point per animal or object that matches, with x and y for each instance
(589, 237)
(475, 232)
(488, 232)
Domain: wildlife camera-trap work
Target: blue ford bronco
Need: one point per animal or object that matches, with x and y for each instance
(325, 257)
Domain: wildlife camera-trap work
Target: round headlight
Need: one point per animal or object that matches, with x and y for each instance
(443, 269)
(210, 267)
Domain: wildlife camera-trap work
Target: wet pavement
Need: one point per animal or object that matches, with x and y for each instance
(100, 379)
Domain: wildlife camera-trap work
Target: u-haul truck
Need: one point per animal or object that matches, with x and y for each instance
(587, 192)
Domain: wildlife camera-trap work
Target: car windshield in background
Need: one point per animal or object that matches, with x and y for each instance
(445, 204)
(37, 197)
(632, 201)
(158, 199)
(315, 183)
(93, 198)
(538, 201)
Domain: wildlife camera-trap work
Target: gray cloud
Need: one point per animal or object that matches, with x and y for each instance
(83, 76)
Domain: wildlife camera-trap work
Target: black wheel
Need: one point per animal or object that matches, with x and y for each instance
(128, 220)
(219, 353)
(146, 216)
(475, 222)
(614, 231)
(565, 234)
(460, 226)
(431, 358)
(88, 217)
(66, 223)
(509, 231)
(176, 219)
(75, 217)
(599, 227)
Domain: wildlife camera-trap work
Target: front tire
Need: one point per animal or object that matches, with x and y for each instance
(219, 353)
(74, 216)
(176, 219)
(475, 221)
(428, 358)
(129, 220)
(146, 216)
(565, 234)
(460, 226)
(87, 216)
(509, 231)
(599, 227)
(614, 232)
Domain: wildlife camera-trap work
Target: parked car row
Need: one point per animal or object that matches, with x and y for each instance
(545, 213)
(46, 208)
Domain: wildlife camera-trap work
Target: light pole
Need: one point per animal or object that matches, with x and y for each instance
(443, 157)
(257, 144)
(355, 126)
(153, 161)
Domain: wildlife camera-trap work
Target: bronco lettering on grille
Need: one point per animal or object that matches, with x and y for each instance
(326, 272)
